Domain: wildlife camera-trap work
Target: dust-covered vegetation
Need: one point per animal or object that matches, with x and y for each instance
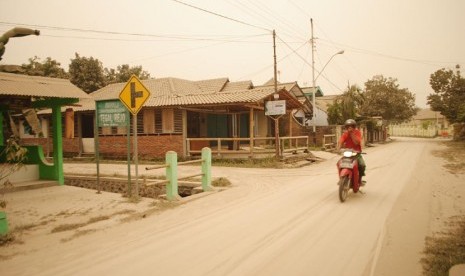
(446, 248)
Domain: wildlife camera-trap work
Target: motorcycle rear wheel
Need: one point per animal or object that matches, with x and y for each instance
(344, 186)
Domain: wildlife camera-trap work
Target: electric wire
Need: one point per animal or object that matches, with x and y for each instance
(222, 16)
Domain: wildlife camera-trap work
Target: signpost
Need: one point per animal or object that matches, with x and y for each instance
(275, 109)
(133, 96)
(110, 113)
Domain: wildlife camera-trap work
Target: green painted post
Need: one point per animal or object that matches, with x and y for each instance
(206, 169)
(57, 144)
(172, 175)
(3, 223)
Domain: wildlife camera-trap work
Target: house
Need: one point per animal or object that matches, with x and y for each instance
(184, 116)
(426, 123)
(321, 106)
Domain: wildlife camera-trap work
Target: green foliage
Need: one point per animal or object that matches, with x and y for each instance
(48, 68)
(346, 106)
(426, 124)
(449, 94)
(86, 73)
(384, 98)
(13, 152)
(15, 157)
(124, 72)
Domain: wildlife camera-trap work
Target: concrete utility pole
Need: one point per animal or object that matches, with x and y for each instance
(313, 79)
(15, 32)
(276, 120)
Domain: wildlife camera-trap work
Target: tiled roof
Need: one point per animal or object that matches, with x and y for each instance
(427, 114)
(165, 87)
(33, 86)
(179, 92)
(324, 101)
(240, 96)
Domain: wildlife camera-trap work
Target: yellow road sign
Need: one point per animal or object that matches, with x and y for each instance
(134, 95)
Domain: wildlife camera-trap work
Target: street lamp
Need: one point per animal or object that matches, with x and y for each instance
(314, 83)
(338, 53)
(15, 32)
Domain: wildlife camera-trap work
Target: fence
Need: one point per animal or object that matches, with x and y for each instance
(413, 131)
(249, 146)
(172, 178)
(329, 141)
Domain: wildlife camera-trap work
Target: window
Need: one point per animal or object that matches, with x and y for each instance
(167, 120)
(149, 121)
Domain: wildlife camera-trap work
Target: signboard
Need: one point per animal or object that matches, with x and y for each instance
(275, 108)
(112, 113)
(134, 95)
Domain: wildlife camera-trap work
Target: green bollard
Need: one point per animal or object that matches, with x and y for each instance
(3, 223)
(207, 169)
(172, 175)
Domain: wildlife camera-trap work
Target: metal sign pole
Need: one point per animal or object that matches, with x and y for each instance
(96, 148)
(133, 96)
(136, 154)
(128, 130)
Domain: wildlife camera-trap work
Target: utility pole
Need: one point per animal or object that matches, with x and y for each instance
(276, 120)
(313, 81)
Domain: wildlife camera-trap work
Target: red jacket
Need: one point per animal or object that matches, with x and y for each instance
(346, 140)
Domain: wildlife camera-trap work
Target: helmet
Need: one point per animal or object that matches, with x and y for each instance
(350, 122)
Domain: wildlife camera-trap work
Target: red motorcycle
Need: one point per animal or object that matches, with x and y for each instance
(349, 177)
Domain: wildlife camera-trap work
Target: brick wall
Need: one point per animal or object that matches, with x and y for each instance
(149, 147)
(299, 130)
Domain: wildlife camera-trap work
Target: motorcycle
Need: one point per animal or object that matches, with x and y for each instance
(347, 168)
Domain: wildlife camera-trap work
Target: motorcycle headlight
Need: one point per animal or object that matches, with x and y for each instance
(347, 154)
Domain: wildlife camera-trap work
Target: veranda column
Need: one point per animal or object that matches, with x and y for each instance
(57, 144)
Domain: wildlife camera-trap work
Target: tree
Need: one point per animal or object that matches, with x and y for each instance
(449, 94)
(346, 106)
(124, 72)
(384, 98)
(86, 73)
(49, 68)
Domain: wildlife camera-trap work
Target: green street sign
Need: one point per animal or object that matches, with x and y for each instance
(112, 113)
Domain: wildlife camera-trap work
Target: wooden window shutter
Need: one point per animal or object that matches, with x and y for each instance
(168, 120)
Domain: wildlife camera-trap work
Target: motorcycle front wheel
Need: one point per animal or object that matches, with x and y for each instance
(344, 186)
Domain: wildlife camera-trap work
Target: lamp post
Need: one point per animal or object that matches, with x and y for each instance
(15, 32)
(338, 53)
(314, 79)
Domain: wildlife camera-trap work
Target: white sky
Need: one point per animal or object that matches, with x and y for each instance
(403, 39)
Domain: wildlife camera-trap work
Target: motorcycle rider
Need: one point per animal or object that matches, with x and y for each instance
(352, 139)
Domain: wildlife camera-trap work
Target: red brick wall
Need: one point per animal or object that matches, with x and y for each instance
(299, 130)
(147, 146)
(116, 146)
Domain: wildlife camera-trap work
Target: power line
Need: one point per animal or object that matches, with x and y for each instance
(220, 15)
(295, 52)
(177, 37)
(370, 52)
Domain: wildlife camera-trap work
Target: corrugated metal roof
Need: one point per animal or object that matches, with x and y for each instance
(33, 86)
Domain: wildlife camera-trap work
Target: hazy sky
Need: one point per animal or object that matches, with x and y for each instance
(403, 39)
